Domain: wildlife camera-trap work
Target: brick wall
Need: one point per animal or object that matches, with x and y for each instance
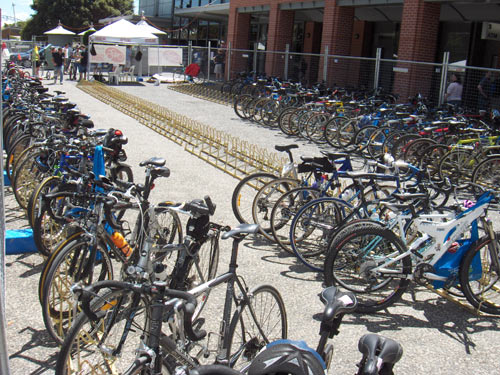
(337, 35)
(238, 32)
(417, 42)
(279, 34)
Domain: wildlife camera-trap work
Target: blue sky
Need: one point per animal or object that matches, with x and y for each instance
(23, 9)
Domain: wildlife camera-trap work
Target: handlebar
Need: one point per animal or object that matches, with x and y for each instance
(157, 289)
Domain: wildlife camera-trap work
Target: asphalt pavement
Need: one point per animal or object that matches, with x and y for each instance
(438, 337)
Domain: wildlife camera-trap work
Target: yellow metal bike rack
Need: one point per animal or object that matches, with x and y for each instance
(233, 155)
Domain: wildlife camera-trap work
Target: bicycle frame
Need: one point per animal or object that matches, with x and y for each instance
(435, 246)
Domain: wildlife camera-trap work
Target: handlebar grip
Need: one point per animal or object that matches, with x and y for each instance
(110, 218)
(189, 308)
(211, 206)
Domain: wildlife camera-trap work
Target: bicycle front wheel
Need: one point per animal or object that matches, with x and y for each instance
(249, 333)
(244, 194)
(74, 263)
(479, 276)
(352, 257)
(94, 347)
(312, 228)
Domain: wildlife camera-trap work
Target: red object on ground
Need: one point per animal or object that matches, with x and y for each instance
(192, 70)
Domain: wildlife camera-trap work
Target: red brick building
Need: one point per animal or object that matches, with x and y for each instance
(414, 30)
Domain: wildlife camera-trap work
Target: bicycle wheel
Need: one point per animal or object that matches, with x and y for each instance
(193, 270)
(240, 105)
(27, 177)
(456, 165)
(19, 146)
(284, 120)
(412, 152)
(266, 198)
(95, 347)
(34, 203)
(346, 131)
(74, 264)
(244, 194)
(315, 127)
(430, 159)
(284, 210)
(375, 146)
(479, 276)
(486, 173)
(362, 138)
(351, 258)
(312, 227)
(245, 337)
(330, 132)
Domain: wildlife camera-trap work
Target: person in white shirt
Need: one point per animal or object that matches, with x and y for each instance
(453, 94)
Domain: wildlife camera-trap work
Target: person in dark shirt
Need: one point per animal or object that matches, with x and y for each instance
(58, 59)
(485, 91)
(83, 63)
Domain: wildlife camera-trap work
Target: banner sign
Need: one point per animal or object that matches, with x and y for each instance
(164, 56)
(111, 54)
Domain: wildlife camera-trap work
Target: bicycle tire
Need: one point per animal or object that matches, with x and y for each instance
(348, 250)
(245, 340)
(71, 266)
(240, 104)
(478, 277)
(312, 227)
(285, 208)
(486, 173)
(330, 132)
(18, 147)
(346, 131)
(284, 120)
(266, 198)
(26, 180)
(34, 203)
(50, 259)
(315, 127)
(456, 166)
(244, 194)
(82, 351)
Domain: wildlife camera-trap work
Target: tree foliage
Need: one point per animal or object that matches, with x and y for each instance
(74, 14)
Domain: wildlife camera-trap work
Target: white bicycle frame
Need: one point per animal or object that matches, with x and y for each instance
(441, 234)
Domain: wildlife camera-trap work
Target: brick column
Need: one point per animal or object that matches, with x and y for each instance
(238, 33)
(279, 34)
(417, 42)
(337, 34)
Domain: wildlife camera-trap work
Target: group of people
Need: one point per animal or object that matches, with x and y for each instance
(69, 60)
(485, 91)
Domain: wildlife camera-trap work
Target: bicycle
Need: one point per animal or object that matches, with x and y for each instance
(132, 314)
(374, 263)
(291, 357)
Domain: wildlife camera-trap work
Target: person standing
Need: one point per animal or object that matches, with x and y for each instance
(485, 89)
(35, 57)
(453, 93)
(219, 65)
(58, 59)
(83, 63)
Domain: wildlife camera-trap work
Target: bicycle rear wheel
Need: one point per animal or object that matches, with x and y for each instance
(245, 337)
(480, 277)
(352, 257)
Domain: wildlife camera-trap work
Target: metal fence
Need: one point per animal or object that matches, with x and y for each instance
(401, 77)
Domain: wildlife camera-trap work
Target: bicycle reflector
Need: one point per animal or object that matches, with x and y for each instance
(118, 133)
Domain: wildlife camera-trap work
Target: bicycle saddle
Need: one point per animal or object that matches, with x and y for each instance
(337, 303)
(378, 350)
(335, 155)
(286, 148)
(241, 229)
(157, 162)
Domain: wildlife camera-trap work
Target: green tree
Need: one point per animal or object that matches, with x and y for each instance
(74, 14)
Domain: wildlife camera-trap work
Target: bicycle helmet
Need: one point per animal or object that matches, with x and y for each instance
(287, 357)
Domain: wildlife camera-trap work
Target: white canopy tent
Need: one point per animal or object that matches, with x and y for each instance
(59, 36)
(143, 25)
(123, 32)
